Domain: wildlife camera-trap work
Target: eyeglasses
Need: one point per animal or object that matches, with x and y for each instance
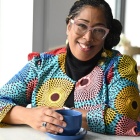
(81, 28)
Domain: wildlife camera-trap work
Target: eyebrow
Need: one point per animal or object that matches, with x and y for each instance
(98, 24)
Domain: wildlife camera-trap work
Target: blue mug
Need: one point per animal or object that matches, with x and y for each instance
(73, 119)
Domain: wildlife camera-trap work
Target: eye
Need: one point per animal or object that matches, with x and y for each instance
(99, 30)
(82, 26)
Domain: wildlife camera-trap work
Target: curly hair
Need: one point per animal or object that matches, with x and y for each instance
(113, 25)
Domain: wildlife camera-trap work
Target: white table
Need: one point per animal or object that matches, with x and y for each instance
(27, 133)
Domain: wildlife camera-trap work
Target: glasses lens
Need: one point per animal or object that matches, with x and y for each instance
(98, 33)
(80, 28)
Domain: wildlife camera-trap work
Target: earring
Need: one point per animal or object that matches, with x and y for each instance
(103, 57)
(67, 42)
(104, 54)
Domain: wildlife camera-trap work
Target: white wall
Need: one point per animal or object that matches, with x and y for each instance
(132, 24)
(132, 21)
(49, 29)
(112, 5)
(16, 18)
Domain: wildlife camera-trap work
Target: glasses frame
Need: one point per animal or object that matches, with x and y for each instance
(92, 28)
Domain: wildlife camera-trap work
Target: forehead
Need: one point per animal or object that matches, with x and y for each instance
(92, 15)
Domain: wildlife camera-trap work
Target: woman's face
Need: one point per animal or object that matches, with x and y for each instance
(84, 47)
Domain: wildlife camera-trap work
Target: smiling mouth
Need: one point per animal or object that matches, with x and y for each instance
(85, 47)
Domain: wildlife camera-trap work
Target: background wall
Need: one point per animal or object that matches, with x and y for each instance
(16, 22)
(49, 29)
(132, 22)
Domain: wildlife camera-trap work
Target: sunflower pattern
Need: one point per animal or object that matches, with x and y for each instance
(57, 91)
(109, 92)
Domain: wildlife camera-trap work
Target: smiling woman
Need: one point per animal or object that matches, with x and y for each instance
(16, 19)
(86, 74)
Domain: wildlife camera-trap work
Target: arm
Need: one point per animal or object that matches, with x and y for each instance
(34, 117)
(17, 91)
(17, 115)
(121, 115)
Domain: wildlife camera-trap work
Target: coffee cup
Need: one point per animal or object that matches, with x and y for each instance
(73, 120)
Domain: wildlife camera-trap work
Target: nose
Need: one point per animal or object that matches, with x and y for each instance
(88, 36)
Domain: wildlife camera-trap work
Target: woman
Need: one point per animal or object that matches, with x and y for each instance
(87, 75)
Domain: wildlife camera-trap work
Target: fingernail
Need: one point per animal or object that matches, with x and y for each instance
(61, 118)
(60, 130)
(64, 124)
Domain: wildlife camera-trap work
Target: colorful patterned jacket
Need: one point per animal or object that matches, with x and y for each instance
(109, 92)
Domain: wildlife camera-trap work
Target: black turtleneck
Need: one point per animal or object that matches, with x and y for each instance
(77, 69)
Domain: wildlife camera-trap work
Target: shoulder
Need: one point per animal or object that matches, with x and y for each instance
(49, 53)
(121, 66)
(121, 58)
(121, 62)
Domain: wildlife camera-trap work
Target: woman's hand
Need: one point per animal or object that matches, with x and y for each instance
(37, 116)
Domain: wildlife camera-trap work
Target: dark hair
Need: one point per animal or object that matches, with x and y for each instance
(114, 25)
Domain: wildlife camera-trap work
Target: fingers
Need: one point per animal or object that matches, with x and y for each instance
(52, 128)
(54, 121)
(53, 113)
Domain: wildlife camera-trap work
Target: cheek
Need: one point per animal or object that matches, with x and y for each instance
(72, 38)
(72, 42)
(98, 44)
(102, 44)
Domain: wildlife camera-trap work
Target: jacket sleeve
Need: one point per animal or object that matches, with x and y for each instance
(120, 114)
(17, 91)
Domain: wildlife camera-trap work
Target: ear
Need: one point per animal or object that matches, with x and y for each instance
(68, 28)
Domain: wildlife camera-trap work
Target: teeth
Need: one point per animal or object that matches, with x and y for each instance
(83, 46)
